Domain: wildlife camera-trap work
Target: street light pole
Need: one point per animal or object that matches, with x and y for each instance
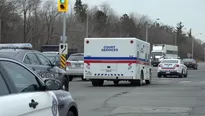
(192, 47)
(87, 25)
(147, 32)
(147, 29)
(0, 30)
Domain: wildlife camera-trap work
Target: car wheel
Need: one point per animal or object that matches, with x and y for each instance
(159, 75)
(70, 78)
(65, 84)
(70, 113)
(148, 82)
(83, 79)
(97, 82)
(182, 74)
(150, 76)
(186, 74)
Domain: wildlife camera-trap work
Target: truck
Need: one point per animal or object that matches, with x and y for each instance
(163, 51)
(117, 59)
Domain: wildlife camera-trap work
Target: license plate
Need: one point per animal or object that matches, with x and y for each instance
(108, 70)
(167, 72)
(77, 65)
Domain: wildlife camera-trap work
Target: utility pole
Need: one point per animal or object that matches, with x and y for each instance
(87, 18)
(175, 38)
(64, 28)
(63, 46)
(147, 29)
(0, 30)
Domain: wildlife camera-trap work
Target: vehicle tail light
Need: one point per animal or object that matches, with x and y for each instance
(131, 41)
(177, 65)
(68, 64)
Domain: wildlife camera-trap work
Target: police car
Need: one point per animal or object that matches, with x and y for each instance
(172, 67)
(24, 93)
(35, 60)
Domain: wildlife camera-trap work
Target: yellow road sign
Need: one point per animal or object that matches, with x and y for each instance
(63, 61)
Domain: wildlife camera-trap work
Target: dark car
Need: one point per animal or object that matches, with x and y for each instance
(190, 63)
(36, 61)
(26, 93)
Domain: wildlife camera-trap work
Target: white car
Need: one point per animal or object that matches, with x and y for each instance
(75, 66)
(172, 67)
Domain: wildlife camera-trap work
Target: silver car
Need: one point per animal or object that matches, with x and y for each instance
(75, 66)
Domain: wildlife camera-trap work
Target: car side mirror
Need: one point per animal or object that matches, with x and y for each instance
(52, 84)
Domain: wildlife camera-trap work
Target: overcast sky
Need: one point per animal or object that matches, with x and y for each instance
(190, 12)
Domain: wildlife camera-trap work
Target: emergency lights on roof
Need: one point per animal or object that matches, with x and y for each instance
(16, 46)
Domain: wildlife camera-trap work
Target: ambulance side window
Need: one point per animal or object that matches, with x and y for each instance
(148, 57)
(145, 56)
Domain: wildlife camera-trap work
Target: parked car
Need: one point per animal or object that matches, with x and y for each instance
(172, 67)
(36, 61)
(54, 57)
(75, 66)
(190, 63)
(25, 93)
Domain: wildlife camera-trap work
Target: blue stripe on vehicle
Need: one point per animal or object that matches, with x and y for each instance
(114, 58)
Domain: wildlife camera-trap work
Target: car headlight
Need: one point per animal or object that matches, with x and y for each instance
(46, 75)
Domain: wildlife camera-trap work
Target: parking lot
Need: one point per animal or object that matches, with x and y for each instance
(164, 97)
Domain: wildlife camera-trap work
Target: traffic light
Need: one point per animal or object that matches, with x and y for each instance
(62, 5)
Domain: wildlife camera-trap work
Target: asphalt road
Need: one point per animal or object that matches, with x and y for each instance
(164, 97)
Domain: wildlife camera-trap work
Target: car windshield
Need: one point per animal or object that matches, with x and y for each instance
(188, 60)
(52, 56)
(170, 61)
(157, 54)
(76, 57)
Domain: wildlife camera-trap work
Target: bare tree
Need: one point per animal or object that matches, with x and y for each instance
(51, 14)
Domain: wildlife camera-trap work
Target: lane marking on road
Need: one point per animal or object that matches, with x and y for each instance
(132, 109)
(182, 82)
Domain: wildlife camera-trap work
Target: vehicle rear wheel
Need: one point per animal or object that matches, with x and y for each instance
(83, 78)
(182, 74)
(70, 78)
(186, 74)
(100, 82)
(139, 82)
(150, 78)
(159, 75)
(97, 82)
(148, 82)
(70, 113)
(116, 82)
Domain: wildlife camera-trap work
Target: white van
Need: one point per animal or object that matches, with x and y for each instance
(117, 59)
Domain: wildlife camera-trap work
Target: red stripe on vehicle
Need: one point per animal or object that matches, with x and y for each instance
(116, 61)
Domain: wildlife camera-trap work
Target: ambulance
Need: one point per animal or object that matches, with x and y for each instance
(117, 59)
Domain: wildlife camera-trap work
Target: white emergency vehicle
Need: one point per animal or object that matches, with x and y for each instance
(174, 67)
(116, 59)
